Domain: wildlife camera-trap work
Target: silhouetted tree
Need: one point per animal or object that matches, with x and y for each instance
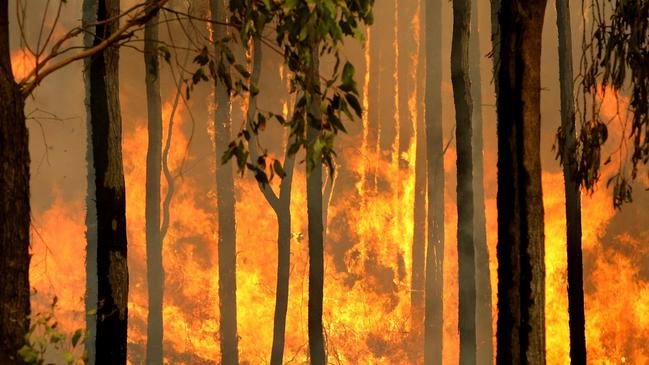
(484, 331)
(226, 205)
(155, 270)
(434, 306)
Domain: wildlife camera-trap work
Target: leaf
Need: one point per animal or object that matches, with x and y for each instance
(277, 166)
(202, 58)
(76, 337)
(242, 70)
(353, 102)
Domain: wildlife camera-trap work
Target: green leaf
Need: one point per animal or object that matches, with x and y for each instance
(353, 102)
(75, 337)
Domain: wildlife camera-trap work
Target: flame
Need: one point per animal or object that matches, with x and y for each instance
(367, 261)
(22, 63)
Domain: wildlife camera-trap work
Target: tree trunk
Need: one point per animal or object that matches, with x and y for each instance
(406, 78)
(14, 206)
(573, 198)
(109, 192)
(155, 271)
(484, 331)
(521, 267)
(433, 312)
(315, 221)
(463, 110)
(226, 208)
(281, 206)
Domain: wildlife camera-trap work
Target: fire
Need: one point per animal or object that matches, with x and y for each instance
(367, 264)
(22, 63)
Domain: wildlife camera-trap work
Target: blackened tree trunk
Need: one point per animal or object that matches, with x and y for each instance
(484, 331)
(14, 206)
(315, 222)
(226, 208)
(109, 192)
(155, 272)
(571, 187)
(433, 312)
(465, 246)
(521, 267)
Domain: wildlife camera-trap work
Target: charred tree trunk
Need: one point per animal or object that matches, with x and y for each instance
(105, 125)
(226, 208)
(521, 267)
(14, 206)
(465, 245)
(155, 271)
(484, 331)
(571, 187)
(434, 308)
(314, 212)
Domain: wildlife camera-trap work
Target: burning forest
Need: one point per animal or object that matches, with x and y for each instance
(324, 182)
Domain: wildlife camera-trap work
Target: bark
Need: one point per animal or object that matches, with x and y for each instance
(571, 187)
(109, 192)
(14, 206)
(315, 221)
(463, 111)
(227, 253)
(521, 268)
(155, 271)
(484, 331)
(433, 312)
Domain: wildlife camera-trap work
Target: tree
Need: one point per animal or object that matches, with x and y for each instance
(226, 205)
(155, 270)
(434, 306)
(484, 331)
(50, 56)
(14, 206)
(105, 126)
(460, 77)
(281, 204)
(571, 188)
(521, 267)
(614, 50)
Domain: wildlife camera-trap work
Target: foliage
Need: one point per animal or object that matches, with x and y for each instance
(615, 58)
(299, 27)
(45, 341)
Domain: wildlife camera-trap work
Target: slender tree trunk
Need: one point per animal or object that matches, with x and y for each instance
(374, 110)
(315, 221)
(226, 209)
(281, 206)
(521, 267)
(573, 198)
(463, 110)
(155, 271)
(433, 313)
(109, 192)
(14, 206)
(484, 331)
